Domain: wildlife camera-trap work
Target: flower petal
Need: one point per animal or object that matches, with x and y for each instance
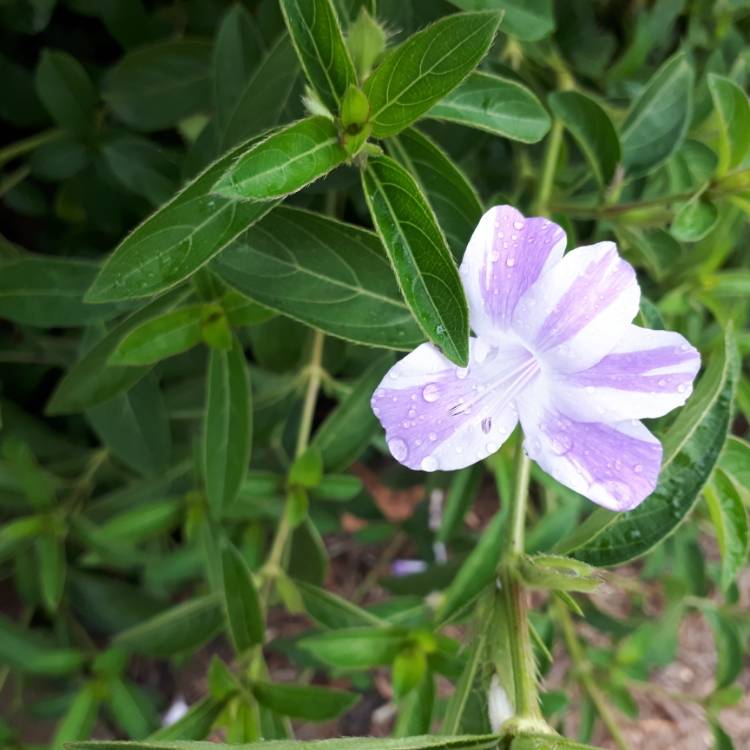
(647, 374)
(578, 310)
(615, 465)
(505, 255)
(439, 416)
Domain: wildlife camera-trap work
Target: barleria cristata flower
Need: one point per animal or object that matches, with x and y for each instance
(555, 348)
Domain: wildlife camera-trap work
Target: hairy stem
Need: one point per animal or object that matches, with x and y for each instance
(585, 678)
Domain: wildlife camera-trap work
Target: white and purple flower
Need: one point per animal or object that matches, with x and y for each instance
(555, 348)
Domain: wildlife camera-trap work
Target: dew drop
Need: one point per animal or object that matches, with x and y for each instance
(495, 256)
(661, 382)
(431, 393)
(393, 374)
(684, 347)
(429, 463)
(681, 388)
(481, 350)
(432, 436)
(462, 372)
(638, 469)
(634, 535)
(491, 447)
(406, 423)
(510, 262)
(619, 491)
(398, 449)
(379, 393)
(412, 413)
(561, 444)
(486, 425)
(440, 330)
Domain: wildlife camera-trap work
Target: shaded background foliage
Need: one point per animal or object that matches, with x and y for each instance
(134, 508)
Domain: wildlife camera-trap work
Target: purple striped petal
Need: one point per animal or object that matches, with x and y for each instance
(505, 255)
(614, 464)
(439, 416)
(578, 310)
(647, 374)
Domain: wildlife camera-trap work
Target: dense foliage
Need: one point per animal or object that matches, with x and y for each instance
(220, 225)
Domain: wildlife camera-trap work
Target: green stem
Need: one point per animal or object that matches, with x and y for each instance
(551, 156)
(585, 678)
(25, 146)
(520, 501)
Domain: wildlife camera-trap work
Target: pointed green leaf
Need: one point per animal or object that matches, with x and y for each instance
(316, 35)
(196, 724)
(30, 652)
(355, 648)
(79, 719)
(694, 220)
(331, 611)
(427, 66)
(451, 195)
(228, 427)
(324, 273)
(659, 118)
(308, 702)
(243, 607)
(592, 130)
(529, 20)
(733, 110)
(420, 258)
(284, 162)
(497, 105)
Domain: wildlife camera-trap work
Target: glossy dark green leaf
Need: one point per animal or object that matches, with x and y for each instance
(421, 260)
(317, 37)
(497, 105)
(30, 652)
(228, 426)
(196, 724)
(91, 380)
(243, 607)
(694, 220)
(691, 449)
(237, 51)
(66, 91)
(284, 162)
(327, 274)
(183, 627)
(135, 426)
(658, 120)
(48, 292)
(691, 166)
(348, 429)
(427, 66)
(529, 20)
(592, 130)
(729, 517)
(733, 110)
(269, 97)
(154, 87)
(451, 195)
(308, 702)
(354, 648)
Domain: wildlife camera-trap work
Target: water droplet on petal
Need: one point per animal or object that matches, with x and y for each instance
(398, 449)
(661, 382)
(429, 463)
(491, 447)
(431, 393)
(510, 262)
(619, 491)
(412, 413)
(486, 425)
(681, 388)
(561, 444)
(481, 350)
(517, 225)
(432, 436)
(638, 468)
(462, 372)
(684, 347)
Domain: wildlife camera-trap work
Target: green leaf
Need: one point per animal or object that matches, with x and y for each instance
(268, 97)
(48, 292)
(427, 66)
(324, 273)
(164, 336)
(228, 427)
(735, 461)
(691, 166)
(366, 40)
(131, 710)
(694, 220)
(182, 628)
(729, 518)
(135, 426)
(546, 742)
(237, 51)
(155, 87)
(332, 611)
(415, 709)
(79, 719)
(243, 606)
(355, 648)
(729, 648)
(66, 91)
(197, 722)
(461, 494)
(477, 571)
(691, 449)
(348, 429)
(50, 554)
(284, 162)
(528, 20)
(91, 380)
(316, 35)
(497, 105)
(420, 258)
(451, 195)
(18, 533)
(423, 742)
(592, 130)
(307, 469)
(28, 651)
(409, 668)
(658, 120)
(338, 487)
(733, 110)
(308, 702)
(176, 240)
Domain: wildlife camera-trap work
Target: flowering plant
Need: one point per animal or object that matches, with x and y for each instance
(302, 417)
